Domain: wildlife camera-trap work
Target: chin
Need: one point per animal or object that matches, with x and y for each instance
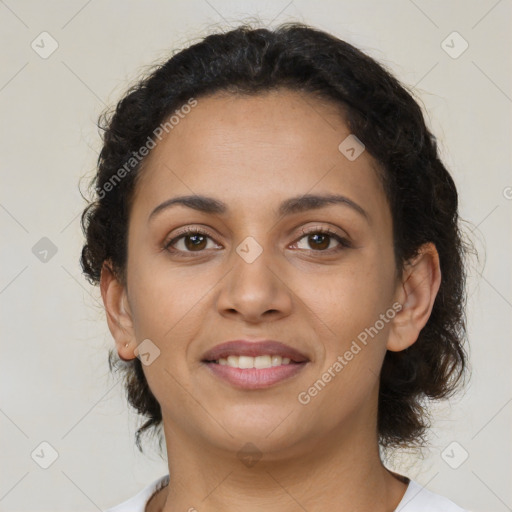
(270, 427)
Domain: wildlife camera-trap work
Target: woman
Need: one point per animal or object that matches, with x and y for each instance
(278, 249)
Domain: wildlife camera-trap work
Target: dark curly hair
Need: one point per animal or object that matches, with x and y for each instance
(381, 113)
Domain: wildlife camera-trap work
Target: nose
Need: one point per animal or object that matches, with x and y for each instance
(255, 288)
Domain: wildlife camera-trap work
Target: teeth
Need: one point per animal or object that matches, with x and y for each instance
(259, 362)
(243, 361)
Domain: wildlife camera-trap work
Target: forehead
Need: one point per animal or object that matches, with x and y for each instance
(248, 148)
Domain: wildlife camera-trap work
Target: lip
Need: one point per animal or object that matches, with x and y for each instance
(254, 349)
(253, 378)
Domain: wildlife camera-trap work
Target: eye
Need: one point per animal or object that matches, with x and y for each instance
(320, 239)
(196, 240)
(193, 240)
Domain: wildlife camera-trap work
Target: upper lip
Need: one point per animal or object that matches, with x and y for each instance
(254, 349)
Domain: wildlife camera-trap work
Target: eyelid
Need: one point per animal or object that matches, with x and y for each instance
(323, 229)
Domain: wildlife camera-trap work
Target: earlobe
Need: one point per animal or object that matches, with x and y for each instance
(416, 292)
(117, 309)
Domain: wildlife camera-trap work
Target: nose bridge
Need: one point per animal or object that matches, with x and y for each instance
(252, 264)
(253, 240)
(254, 285)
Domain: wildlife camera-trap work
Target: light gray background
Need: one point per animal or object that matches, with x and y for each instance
(55, 385)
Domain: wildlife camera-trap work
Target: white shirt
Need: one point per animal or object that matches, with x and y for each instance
(416, 499)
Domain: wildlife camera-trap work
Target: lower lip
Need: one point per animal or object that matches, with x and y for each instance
(253, 378)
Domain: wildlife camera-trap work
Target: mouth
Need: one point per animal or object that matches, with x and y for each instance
(254, 364)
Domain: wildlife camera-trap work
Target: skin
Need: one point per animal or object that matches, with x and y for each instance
(252, 153)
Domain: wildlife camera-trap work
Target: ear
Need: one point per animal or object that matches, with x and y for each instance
(119, 316)
(416, 292)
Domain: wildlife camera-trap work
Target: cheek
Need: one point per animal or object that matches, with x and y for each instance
(156, 302)
(348, 318)
(351, 296)
(349, 307)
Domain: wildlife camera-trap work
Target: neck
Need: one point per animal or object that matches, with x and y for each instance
(336, 472)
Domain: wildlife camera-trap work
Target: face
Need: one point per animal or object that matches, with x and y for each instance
(315, 276)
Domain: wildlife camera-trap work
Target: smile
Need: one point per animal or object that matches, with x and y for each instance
(259, 362)
(254, 364)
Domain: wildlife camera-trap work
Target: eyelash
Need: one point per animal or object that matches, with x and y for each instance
(344, 243)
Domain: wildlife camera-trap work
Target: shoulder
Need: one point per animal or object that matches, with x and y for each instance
(138, 502)
(419, 499)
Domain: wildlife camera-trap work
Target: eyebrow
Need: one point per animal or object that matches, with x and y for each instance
(290, 206)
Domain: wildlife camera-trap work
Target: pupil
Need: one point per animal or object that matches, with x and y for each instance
(198, 240)
(323, 236)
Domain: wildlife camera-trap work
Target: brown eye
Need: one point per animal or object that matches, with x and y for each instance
(191, 240)
(319, 240)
